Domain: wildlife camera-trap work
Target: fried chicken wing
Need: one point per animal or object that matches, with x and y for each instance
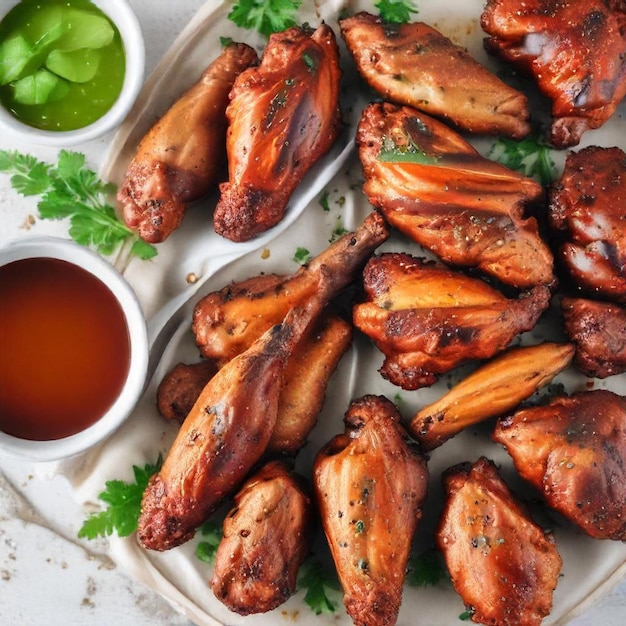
(283, 116)
(427, 319)
(588, 211)
(180, 158)
(414, 64)
(575, 51)
(229, 427)
(307, 375)
(491, 390)
(573, 451)
(435, 188)
(370, 484)
(266, 537)
(504, 566)
(180, 387)
(226, 322)
(598, 329)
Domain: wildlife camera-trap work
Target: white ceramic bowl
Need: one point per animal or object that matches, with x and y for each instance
(121, 14)
(66, 250)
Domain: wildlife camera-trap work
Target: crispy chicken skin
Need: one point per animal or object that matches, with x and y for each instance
(266, 537)
(573, 451)
(434, 187)
(416, 65)
(587, 211)
(181, 157)
(427, 319)
(226, 322)
(598, 329)
(283, 116)
(492, 389)
(370, 484)
(180, 387)
(229, 427)
(575, 51)
(504, 567)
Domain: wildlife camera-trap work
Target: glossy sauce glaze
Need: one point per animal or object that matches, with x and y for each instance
(64, 349)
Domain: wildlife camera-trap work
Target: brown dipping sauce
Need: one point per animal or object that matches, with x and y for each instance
(64, 349)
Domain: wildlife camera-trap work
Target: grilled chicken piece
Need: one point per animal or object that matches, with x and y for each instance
(181, 157)
(574, 452)
(435, 188)
(588, 210)
(598, 329)
(492, 390)
(307, 375)
(283, 116)
(427, 319)
(416, 65)
(230, 425)
(266, 537)
(226, 322)
(180, 387)
(504, 566)
(370, 484)
(574, 50)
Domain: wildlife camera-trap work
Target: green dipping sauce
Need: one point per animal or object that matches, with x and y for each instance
(62, 63)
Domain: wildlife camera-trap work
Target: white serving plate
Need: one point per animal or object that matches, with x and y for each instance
(590, 567)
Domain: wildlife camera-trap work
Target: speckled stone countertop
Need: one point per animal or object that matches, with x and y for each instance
(47, 576)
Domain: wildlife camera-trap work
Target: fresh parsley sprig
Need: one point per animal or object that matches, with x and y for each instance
(206, 549)
(530, 156)
(265, 16)
(396, 11)
(321, 584)
(425, 569)
(69, 190)
(124, 505)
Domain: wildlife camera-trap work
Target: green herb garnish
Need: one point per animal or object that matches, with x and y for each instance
(302, 256)
(391, 152)
(530, 156)
(338, 231)
(396, 11)
(324, 201)
(466, 615)
(320, 585)
(70, 190)
(124, 505)
(425, 569)
(212, 534)
(265, 16)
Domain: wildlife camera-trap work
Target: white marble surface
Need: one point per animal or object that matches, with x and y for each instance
(47, 576)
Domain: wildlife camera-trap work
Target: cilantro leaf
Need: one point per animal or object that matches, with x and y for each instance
(71, 191)
(396, 11)
(124, 505)
(265, 16)
(338, 231)
(207, 549)
(530, 156)
(425, 569)
(320, 584)
(324, 202)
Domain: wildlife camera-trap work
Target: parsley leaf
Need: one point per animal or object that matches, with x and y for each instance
(71, 191)
(124, 505)
(324, 202)
(396, 11)
(265, 16)
(425, 570)
(207, 549)
(319, 583)
(530, 156)
(302, 256)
